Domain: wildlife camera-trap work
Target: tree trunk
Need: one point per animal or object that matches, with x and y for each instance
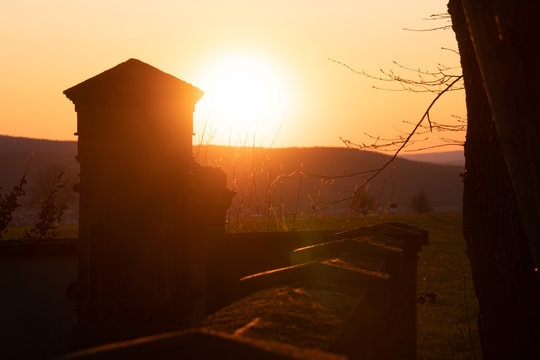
(501, 32)
(507, 287)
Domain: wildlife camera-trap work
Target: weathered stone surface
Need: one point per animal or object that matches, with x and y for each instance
(395, 234)
(201, 344)
(301, 314)
(332, 272)
(363, 251)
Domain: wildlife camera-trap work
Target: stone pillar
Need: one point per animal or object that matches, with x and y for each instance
(135, 125)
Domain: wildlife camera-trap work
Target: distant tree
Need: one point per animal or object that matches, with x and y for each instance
(10, 202)
(50, 212)
(420, 203)
(362, 201)
(46, 182)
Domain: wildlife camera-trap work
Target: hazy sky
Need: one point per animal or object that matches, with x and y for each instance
(49, 46)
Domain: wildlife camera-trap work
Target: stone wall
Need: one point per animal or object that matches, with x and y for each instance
(340, 295)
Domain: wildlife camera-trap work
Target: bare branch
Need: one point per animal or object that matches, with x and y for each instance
(434, 147)
(452, 50)
(425, 81)
(436, 17)
(409, 137)
(445, 27)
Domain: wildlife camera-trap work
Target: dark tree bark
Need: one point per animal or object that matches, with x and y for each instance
(500, 205)
(501, 33)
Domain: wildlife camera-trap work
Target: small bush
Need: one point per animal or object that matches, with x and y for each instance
(10, 202)
(420, 203)
(50, 212)
(362, 201)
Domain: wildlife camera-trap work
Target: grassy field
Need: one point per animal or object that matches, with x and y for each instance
(443, 269)
(18, 232)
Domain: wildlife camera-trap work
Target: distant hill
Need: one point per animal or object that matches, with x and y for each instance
(39, 154)
(302, 181)
(445, 158)
(326, 184)
(14, 152)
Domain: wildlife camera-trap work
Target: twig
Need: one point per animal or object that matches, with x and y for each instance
(435, 146)
(444, 27)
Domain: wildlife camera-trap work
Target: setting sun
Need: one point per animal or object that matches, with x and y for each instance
(245, 97)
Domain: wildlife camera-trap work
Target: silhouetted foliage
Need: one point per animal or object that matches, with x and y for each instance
(50, 212)
(46, 181)
(10, 202)
(420, 203)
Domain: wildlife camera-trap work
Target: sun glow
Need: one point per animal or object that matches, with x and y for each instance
(245, 101)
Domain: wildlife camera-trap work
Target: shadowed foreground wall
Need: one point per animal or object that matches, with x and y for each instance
(377, 288)
(37, 319)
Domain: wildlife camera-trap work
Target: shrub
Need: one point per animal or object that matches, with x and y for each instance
(50, 212)
(362, 201)
(420, 203)
(10, 202)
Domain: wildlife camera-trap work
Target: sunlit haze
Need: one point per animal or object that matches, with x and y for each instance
(246, 98)
(264, 67)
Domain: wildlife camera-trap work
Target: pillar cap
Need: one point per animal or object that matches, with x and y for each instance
(132, 79)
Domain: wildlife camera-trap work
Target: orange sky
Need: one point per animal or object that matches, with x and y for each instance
(50, 46)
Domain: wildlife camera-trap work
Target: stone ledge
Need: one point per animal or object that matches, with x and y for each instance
(200, 344)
